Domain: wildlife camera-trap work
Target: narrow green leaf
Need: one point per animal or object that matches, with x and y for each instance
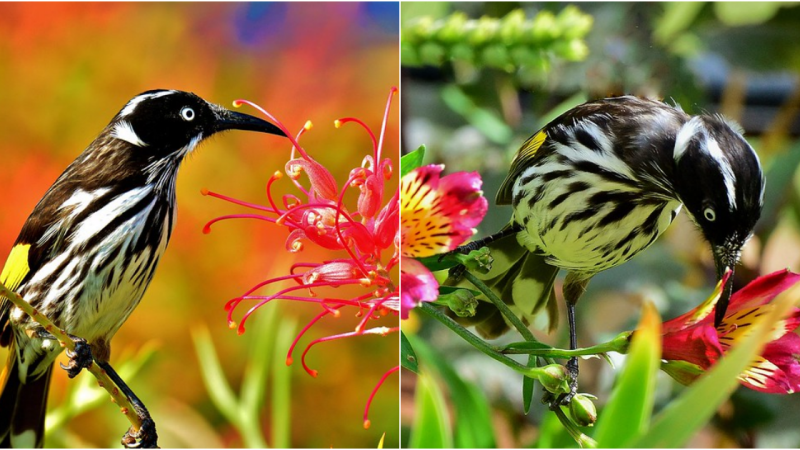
(528, 345)
(528, 385)
(432, 421)
(408, 358)
(254, 382)
(213, 377)
(412, 160)
(281, 400)
(630, 406)
(473, 422)
(444, 290)
(486, 121)
(684, 416)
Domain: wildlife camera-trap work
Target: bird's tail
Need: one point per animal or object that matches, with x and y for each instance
(22, 406)
(523, 280)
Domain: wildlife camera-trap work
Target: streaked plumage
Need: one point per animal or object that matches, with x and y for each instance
(89, 249)
(601, 182)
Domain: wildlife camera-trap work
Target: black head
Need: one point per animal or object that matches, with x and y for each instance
(719, 180)
(167, 120)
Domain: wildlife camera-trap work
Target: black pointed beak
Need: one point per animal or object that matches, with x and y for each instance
(724, 262)
(230, 120)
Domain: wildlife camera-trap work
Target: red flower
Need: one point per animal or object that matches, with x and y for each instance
(367, 235)
(692, 338)
(438, 215)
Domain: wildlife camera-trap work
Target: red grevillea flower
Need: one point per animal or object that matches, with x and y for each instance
(437, 215)
(366, 234)
(692, 337)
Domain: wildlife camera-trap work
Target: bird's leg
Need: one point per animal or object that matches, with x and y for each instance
(79, 359)
(146, 437)
(574, 287)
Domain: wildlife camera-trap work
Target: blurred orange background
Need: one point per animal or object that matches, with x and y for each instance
(66, 69)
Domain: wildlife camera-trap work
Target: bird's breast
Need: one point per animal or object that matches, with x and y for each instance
(586, 216)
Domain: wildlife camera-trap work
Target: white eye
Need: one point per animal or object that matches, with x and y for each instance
(709, 214)
(187, 114)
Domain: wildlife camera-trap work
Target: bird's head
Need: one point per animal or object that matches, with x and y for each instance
(152, 134)
(720, 182)
(168, 121)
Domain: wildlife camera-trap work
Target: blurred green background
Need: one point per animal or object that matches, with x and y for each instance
(66, 69)
(473, 97)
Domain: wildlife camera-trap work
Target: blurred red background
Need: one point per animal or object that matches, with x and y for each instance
(66, 69)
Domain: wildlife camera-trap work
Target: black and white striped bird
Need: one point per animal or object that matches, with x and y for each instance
(89, 249)
(600, 183)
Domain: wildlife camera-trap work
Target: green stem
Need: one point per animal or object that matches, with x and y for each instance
(619, 344)
(473, 340)
(501, 306)
(583, 440)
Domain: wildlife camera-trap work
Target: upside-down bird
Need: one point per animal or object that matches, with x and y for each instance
(599, 184)
(89, 249)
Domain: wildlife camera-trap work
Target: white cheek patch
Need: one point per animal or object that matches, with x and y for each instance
(123, 130)
(131, 106)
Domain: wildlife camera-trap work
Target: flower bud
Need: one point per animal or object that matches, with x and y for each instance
(582, 410)
(477, 260)
(554, 378)
(461, 301)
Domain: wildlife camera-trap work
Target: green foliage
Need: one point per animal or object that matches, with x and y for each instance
(243, 412)
(632, 399)
(412, 160)
(431, 421)
(513, 43)
(472, 425)
(408, 359)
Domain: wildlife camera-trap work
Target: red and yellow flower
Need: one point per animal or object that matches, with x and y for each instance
(437, 214)
(691, 343)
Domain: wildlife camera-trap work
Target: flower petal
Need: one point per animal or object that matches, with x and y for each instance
(777, 371)
(698, 345)
(438, 214)
(762, 290)
(418, 283)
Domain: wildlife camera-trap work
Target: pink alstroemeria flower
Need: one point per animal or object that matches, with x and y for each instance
(366, 234)
(437, 215)
(692, 337)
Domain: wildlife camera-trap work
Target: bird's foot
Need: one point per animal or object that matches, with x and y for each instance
(79, 359)
(572, 369)
(146, 437)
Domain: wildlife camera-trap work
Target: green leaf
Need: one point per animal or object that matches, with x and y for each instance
(431, 421)
(444, 290)
(486, 121)
(408, 358)
(746, 13)
(528, 345)
(528, 383)
(630, 406)
(217, 385)
(684, 416)
(412, 160)
(473, 421)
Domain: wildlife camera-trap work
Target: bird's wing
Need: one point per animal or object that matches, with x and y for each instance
(523, 280)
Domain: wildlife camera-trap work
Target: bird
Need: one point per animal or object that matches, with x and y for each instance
(599, 184)
(88, 251)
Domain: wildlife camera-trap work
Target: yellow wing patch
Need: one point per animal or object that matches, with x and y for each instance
(16, 266)
(531, 146)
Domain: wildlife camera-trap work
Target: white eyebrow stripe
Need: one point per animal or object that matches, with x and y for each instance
(123, 130)
(711, 147)
(687, 132)
(131, 106)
